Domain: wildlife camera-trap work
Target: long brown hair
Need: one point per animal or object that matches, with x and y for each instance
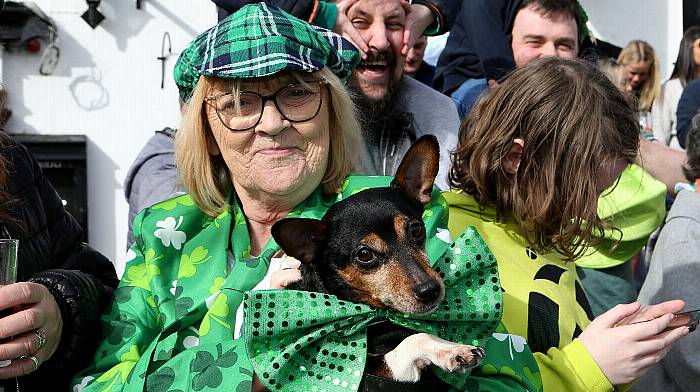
(5, 198)
(574, 122)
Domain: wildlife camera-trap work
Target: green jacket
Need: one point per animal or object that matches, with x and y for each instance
(171, 324)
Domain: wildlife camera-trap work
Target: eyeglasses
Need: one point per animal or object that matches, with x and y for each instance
(296, 102)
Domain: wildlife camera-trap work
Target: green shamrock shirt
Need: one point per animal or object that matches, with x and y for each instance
(171, 324)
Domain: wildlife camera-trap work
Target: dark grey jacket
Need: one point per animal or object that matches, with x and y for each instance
(152, 177)
(674, 273)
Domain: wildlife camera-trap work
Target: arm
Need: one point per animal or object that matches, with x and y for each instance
(662, 162)
(302, 9)
(80, 279)
(484, 19)
(444, 13)
(688, 106)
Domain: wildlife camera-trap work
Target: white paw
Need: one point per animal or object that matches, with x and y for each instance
(457, 357)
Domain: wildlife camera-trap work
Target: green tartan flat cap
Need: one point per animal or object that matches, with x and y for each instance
(260, 40)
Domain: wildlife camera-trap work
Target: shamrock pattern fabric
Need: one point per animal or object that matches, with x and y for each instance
(171, 324)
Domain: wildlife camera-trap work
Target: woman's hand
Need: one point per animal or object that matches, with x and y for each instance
(625, 351)
(418, 18)
(36, 310)
(286, 275)
(344, 27)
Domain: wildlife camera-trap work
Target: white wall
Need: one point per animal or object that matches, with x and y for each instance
(107, 87)
(659, 22)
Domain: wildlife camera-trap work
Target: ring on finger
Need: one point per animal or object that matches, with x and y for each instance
(34, 359)
(42, 339)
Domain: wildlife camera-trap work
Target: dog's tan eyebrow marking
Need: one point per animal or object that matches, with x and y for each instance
(375, 242)
(400, 223)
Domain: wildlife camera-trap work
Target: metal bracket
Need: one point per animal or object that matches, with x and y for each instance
(164, 56)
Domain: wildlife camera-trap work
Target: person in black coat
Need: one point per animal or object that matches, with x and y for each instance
(63, 284)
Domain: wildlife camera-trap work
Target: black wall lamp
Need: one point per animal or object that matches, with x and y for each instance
(92, 16)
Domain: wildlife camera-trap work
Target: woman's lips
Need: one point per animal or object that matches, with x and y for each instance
(277, 151)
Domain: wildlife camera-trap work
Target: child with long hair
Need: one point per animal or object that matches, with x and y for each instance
(532, 161)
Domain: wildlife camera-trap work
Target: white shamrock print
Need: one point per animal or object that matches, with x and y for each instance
(173, 287)
(168, 232)
(443, 235)
(516, 342)
(83, 383)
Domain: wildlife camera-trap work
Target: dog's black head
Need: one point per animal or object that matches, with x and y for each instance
(370, 247)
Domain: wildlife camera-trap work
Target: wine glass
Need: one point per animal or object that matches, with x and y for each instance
(8, 274)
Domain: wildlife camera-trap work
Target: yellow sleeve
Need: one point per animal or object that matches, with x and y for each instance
(571, 369)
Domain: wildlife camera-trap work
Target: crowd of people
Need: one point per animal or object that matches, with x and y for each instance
(566, 165)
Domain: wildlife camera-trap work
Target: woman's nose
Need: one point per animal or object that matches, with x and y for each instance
(272, 122)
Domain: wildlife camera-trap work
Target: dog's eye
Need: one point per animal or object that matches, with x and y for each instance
(417, 231)
(364, 255)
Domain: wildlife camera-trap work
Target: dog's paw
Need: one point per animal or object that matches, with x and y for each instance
(458, 358)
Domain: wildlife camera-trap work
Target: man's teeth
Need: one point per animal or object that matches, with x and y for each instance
(371, 63)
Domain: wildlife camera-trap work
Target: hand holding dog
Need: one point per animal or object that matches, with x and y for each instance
(625, 351)
(288, 274)
(38, 310)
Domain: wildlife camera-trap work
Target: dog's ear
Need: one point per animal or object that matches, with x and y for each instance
(300, 238)
(417, 171)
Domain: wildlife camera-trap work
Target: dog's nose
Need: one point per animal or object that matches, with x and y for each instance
(428, 292)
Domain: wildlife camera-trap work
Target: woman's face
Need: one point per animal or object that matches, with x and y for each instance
(696, 52)
(276, 157)
(635, 74)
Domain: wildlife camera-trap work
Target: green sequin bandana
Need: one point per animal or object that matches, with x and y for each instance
(298, 339)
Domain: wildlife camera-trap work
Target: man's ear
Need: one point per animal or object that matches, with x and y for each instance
(300, 238)
(511, 163)
(417, 171)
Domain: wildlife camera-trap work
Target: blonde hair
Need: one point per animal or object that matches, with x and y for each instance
(640, 51)
(207, 178)
(574, 123)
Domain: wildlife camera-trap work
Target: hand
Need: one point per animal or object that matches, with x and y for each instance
(288, 274)
(624, 353)
(36, 310)
(418, 18)
(492, 83)
(344, 27)
(653, 311)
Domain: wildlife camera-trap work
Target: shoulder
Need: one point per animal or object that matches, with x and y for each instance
(431, 109)
(176, 214)
(417, 93)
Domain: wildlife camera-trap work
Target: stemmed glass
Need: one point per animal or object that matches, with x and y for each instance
(8, 274)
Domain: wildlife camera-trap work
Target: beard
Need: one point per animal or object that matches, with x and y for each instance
(375, 113)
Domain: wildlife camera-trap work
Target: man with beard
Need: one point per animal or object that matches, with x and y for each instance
(394, 109)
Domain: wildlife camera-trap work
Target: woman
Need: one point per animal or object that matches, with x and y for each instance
(531, 163)
(686, 69)
(263, 137)
(641, 75)
(63, 284)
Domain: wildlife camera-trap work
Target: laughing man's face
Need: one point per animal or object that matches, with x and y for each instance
(381, 24)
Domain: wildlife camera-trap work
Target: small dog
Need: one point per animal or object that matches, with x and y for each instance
(370, 248)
